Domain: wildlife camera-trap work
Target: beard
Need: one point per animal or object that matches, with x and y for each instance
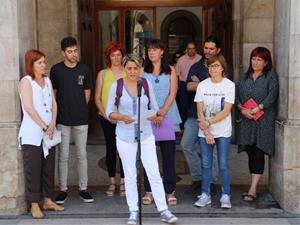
(72, 59)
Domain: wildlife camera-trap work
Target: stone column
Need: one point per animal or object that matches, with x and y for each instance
(16, 36)
(56, 19)
(257, 25)
(253, 26)
(285, 165)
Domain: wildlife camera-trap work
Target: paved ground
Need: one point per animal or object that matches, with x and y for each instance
(109, 211)
(155, 221)
(114, 211)
(97, 172)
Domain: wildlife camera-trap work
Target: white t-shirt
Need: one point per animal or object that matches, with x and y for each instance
(213, 96)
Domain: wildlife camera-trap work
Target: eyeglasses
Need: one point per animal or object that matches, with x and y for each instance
(213, 66)
(191, 48)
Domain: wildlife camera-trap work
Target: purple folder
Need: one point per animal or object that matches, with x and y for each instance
(166, 132)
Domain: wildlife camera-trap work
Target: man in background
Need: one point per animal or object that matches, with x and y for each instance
(182, 69)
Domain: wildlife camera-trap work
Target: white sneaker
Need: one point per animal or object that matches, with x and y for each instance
(168, 217)
(204, 199)
(133, 218)
(225, 201)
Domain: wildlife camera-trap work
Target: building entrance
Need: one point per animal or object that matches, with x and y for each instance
(133, 23)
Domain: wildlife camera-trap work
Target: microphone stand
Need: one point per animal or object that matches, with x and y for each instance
(138, 156)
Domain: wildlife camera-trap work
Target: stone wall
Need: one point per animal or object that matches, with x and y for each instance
(55, 20)
(285, 166)
(253, 26)
(16, 37)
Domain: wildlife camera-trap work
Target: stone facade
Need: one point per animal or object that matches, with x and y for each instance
(55, 20)
(285, 165)
(16, 36)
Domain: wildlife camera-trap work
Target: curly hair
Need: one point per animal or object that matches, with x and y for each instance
(110, 48)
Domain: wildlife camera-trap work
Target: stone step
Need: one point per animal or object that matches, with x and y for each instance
(116, 206)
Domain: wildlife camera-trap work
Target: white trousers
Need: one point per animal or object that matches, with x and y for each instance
(127, 152)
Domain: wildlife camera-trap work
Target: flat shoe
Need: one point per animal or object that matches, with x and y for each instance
(172, 201)
(249, 198)
(110, 192)
(147, 200)
(53, 207)
(244, 194)
(36, 213)
(122, 190)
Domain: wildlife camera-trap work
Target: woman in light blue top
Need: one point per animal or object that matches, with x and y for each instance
(126, 130)
(164, 81)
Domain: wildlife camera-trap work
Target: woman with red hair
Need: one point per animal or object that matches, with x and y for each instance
(39, 119)
(256, 135)
(113, 58)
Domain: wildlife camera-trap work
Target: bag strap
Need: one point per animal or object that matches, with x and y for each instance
(146, 90)
(119, 90)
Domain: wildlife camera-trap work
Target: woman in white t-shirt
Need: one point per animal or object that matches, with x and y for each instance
(215, 97)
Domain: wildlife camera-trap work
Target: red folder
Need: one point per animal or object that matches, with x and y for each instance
(251, 104)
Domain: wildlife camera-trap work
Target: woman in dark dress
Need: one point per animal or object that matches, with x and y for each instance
(257, 137)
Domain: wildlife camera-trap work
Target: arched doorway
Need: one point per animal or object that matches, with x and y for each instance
(178, 28)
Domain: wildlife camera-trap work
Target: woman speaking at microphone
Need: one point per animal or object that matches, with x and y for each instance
(123, 107)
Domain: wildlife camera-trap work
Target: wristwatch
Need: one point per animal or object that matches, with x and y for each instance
(45, 129)
(261, 106)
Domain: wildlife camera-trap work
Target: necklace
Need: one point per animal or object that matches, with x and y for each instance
(156, 80)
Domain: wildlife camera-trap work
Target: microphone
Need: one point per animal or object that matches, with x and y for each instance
(139, 87)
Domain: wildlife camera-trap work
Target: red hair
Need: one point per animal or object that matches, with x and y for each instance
(30, 57)
(263, 53)
(110, 48)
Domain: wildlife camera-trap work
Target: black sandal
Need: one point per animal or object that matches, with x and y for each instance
(249, 198)
(244, 194)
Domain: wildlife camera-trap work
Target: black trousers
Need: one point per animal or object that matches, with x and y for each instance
(256, 160)
(168, 162)
(39, 173)
(109, 130)
(182, 101)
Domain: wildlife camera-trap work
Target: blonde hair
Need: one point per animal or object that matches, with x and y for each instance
(132, 58)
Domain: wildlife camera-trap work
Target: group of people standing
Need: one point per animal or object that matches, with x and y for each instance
(206, 93)
(61, 103)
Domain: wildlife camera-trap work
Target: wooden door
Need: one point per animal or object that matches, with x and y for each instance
(133, 22)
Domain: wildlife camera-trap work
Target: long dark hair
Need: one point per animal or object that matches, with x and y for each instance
(263, 53)
(165, 66)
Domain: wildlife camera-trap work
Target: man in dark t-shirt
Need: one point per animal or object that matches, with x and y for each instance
(72, 84)
(198, 73)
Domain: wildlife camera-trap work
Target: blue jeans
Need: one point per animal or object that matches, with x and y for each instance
(192, 154)
(223, 147)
